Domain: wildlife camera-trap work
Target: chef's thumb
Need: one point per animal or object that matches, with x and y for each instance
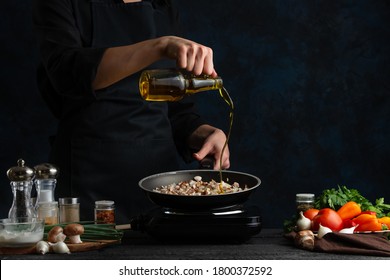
(199, 155)
(206, 160)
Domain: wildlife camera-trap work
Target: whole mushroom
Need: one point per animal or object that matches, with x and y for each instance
(73, 232)
(304, 239)
(56, 234)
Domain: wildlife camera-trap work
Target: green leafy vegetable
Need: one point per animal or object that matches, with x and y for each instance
(336, 197)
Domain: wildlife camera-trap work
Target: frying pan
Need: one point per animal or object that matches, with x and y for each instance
(198, 203)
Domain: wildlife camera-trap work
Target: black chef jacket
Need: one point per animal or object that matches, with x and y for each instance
(108, 139)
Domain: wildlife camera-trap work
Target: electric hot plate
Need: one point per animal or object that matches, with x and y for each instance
(234, 224)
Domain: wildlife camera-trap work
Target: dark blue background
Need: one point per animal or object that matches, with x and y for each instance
(310, 82)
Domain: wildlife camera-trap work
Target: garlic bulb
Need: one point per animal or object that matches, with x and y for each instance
(303, 223)
(322, 231)
(42, 247)
(60, 247)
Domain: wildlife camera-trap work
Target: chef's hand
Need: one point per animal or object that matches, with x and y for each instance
(189, 55)
(211, 141)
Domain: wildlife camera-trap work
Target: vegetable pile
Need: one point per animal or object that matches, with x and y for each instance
(335, 198)
(93, 232)
(55, 236)
(342, 210)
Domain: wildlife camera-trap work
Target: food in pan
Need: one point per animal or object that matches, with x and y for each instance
(197, 187)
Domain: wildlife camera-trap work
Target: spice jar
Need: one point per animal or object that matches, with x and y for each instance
(104, 212)
(304, 201)
(69, 209)
(48, 211)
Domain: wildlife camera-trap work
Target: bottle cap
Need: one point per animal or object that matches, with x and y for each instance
(20, 172)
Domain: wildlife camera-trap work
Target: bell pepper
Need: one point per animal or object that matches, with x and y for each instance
(369, 212)
(367, 222)
(386, 221)
(371, 225)
(363, 218)
(349, 210)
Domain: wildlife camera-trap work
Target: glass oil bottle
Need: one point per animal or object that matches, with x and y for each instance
(173, 85)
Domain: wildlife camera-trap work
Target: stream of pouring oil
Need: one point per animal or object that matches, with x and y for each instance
(225, 95)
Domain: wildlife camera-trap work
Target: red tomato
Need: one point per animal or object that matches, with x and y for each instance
(327, 217)
(311, 213)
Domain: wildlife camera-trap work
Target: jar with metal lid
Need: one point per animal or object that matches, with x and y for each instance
(104, 212)
(304, 201)
(48, 211)
(69, 209)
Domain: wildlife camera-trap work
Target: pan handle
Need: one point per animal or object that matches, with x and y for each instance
(206, 163)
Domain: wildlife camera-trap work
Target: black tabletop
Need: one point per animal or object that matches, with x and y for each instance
(269, 244)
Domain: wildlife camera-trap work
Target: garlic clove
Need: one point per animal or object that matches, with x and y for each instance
(303, 223)
(348, 230)
(60, 247)
(322, 231)
(42, 247)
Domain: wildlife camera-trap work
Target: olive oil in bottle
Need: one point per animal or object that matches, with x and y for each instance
(173, 85)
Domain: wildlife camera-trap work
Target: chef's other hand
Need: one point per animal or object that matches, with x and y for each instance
(213, 140)
(190, 55)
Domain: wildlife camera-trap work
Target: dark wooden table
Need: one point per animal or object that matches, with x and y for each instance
(269, 244)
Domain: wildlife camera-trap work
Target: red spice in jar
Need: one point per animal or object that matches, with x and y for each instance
(104, 212)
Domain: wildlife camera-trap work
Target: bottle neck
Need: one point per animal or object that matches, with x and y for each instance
(197, 84)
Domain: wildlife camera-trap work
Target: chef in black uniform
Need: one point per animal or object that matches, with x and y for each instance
(108, 137)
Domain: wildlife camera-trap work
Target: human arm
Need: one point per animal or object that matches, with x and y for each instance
(76, 69)
(120, 62)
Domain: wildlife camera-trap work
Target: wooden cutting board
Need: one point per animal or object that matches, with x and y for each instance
(82, 247)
